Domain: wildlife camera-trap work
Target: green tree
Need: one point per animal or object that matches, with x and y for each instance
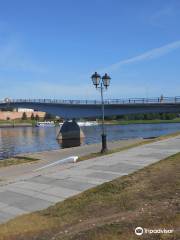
(156, 116)
(139, 116)
(170, 116)
(131, 117)
(126, 117)
(37, 117)
(24, 116)
(163, 116)
(32, 116)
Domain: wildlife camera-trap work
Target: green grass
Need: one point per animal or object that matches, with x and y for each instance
(155, 121)
(147, 198)
(16, 160)
(17, 121)
(119, 122)
(20, 121)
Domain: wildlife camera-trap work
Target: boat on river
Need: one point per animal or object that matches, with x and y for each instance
(52, 124)
(45, 124)
(87, 123)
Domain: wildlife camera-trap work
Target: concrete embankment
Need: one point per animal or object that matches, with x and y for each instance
(47, 157)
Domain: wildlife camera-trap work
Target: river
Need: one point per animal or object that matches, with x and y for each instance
(27, 139)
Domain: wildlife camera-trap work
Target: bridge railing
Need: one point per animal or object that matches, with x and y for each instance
(143, 100)
(106, 101)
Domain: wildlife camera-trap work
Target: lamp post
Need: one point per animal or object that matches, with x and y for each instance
(102, 83)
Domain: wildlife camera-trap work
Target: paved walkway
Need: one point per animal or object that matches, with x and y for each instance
(37, 190)
(47, 157)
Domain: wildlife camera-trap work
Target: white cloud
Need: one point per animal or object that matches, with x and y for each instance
(152, 54)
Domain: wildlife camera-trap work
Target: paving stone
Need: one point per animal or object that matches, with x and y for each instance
(30, 185)
(10, 198)
(34, 194)
(13, 210)
(35, 190)
(32, 204)
(119, 168)
(61, 192)
(74, 185)
(2, 205)
(42, 179)
(87, 180)
(104, 175)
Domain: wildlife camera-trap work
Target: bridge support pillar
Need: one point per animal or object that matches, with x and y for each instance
(70, 134)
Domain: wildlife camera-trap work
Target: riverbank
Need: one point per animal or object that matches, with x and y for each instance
(147, 198)
(32, 123)
(16, 160)
(84, 152)
(21, 123)
(16, 123)
(155, 121)
(17, 168)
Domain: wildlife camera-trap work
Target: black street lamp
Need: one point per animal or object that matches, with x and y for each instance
(102, 84)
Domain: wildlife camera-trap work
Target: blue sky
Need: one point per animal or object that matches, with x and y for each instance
(50, 48)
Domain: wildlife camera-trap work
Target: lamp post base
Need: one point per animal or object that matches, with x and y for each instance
(104, 144)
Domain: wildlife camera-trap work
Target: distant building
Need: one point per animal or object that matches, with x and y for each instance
(18, 113)
(26, 110)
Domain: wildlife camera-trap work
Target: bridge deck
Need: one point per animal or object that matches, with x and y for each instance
(69, 109)
(96, 102)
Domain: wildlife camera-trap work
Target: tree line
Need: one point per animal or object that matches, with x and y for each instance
(37, 118)
(127, 117)
(145, 116)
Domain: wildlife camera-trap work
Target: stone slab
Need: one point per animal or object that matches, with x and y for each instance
(72, 184)
(61, 192)
(35, 190)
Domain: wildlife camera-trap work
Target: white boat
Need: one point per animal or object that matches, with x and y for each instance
(87, 124)
(45, 124)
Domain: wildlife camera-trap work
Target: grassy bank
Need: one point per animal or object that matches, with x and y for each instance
(147, 198)
(18, 122)
(156, 121)
(16, 160)
(117, 122)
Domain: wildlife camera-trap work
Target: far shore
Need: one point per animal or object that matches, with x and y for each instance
(127, 122)
(11, 125)
(31, 123)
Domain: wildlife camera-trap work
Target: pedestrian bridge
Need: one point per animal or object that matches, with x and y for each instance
(92, 108)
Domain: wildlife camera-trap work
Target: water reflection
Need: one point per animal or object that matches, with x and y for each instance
(67, 143)
(26, 139)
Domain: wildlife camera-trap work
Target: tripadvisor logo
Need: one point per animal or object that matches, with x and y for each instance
(140, 231)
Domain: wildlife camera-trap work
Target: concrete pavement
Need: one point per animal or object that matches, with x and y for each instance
(48, 157)
(33, 191)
